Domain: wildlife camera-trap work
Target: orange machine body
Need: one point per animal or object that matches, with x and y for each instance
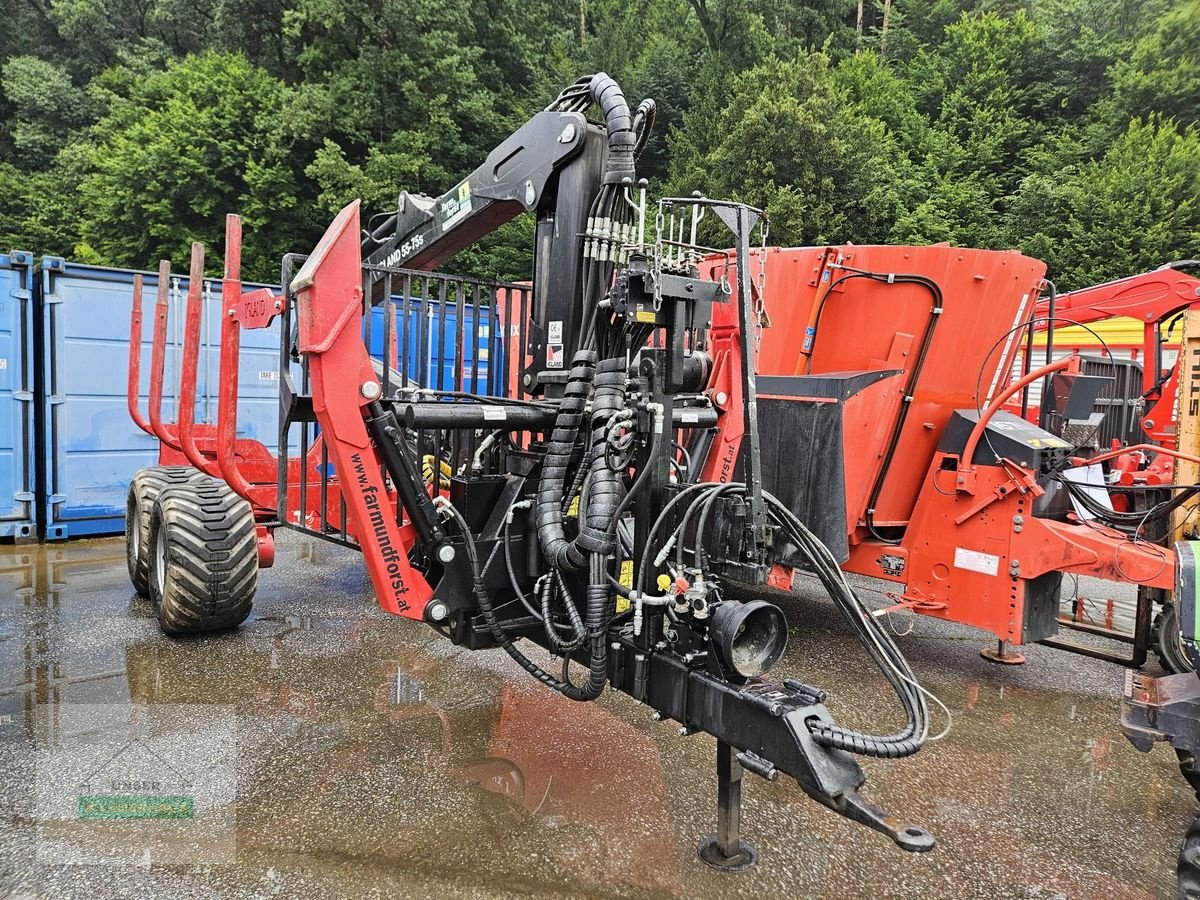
(873, 362)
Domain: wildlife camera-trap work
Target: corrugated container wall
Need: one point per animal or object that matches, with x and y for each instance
(18, 453)
(91, 448)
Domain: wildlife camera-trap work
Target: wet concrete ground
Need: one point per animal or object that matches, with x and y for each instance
(360, 755)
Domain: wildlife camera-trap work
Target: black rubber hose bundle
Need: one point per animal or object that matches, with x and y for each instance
(579, 633)
(603, 90)
(878, 644)
(867, 629)
(600, 610)
(643, 125)
(559, 552)
(606, 488)
(489, 614)
(618, 121)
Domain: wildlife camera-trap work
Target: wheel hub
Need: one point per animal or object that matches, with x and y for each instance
(160, 558)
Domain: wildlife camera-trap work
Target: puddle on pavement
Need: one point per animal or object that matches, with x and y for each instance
(374, 757)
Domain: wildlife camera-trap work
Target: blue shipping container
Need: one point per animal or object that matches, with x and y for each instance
(90, 445)
(18, 446)
(433, 326)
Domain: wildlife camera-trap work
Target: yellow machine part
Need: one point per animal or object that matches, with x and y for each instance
(1187, 427)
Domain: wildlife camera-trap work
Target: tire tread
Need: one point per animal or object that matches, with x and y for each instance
(212, 557)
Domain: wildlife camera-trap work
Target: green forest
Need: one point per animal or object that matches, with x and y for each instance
(1065, 128)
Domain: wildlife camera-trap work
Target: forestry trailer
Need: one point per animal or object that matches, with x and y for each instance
(533, 469)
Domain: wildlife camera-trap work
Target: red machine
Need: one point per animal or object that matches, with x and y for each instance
(558, 514)
(882, 379)
(1153, 298)
(226, 527)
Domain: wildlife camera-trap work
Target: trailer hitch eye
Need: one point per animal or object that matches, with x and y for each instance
(750, 637)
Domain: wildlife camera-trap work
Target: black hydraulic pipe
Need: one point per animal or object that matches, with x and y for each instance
(560, 552)
(521, 417)
(1044, 402)
(478, 415)
(385, 431)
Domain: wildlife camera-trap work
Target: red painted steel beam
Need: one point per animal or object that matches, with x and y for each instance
(186, 409)
(329, 305)
(158, 360)
(135, 358)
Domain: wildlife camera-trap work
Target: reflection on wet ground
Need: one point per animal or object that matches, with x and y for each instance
(373, 759)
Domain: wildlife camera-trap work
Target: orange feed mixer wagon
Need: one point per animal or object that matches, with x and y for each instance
(882, 376)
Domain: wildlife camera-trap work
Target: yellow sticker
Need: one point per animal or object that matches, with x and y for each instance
(626, 580)
(644, 315)
(573, 509)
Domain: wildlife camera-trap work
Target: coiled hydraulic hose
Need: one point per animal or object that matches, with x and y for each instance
(603, 90)
(605, 487)
(867, 629)
(600, 607)
(600, 610)
(559, 552)
(877, 642)
(643, 125)
(577, 628)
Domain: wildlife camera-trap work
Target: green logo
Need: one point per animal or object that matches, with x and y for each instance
(136, 806)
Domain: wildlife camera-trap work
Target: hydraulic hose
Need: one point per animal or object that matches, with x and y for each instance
(560, 552)
(603, 90)
(618, 122)
(587, 692)
(643, 125)
(878, 644)
(600, 609)
(579, 633)
(867, 629)
(605, 487)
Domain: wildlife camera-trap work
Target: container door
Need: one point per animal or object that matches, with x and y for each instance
(17, 443)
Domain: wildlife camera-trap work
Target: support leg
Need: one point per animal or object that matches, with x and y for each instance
(1002, 654)
(725, 850)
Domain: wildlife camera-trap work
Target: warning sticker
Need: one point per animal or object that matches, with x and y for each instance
(626, 581)
(554, 331)
(554, 356)
(456, 206)
(974, 561)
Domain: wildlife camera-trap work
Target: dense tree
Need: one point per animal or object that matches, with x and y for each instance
(1162, 75)
(181, 149)
(792, 142)
(45, 107)
(1065, 127)
(1136, 207)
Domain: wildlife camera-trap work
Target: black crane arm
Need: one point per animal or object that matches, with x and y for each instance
(570, 172)
(426, 231)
